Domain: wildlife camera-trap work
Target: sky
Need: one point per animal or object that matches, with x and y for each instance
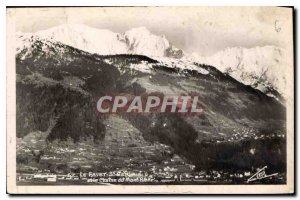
(204, 30)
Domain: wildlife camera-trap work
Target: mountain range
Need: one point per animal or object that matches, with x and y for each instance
(262, 68)
(105, 42)
(57, 86)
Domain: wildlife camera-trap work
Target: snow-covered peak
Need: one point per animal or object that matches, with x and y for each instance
(105, 42)
(92, 40)
(260, 67)
(28, 46)
(142, 41)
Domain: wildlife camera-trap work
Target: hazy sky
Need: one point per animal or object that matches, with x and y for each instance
(204, 30)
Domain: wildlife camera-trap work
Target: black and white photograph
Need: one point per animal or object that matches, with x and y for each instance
(169, 99)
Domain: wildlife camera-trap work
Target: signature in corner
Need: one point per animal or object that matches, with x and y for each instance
(260, 174)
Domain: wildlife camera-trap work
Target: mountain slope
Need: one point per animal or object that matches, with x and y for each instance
(58, 86)
(262, 68)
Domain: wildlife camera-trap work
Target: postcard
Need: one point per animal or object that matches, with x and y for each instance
(150, 100)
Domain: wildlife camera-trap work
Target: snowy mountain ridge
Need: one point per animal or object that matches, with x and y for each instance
(105, 42)
(262, 68)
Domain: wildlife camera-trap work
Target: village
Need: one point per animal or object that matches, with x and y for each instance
(123, 176)
(170, 171)
(121, 159)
